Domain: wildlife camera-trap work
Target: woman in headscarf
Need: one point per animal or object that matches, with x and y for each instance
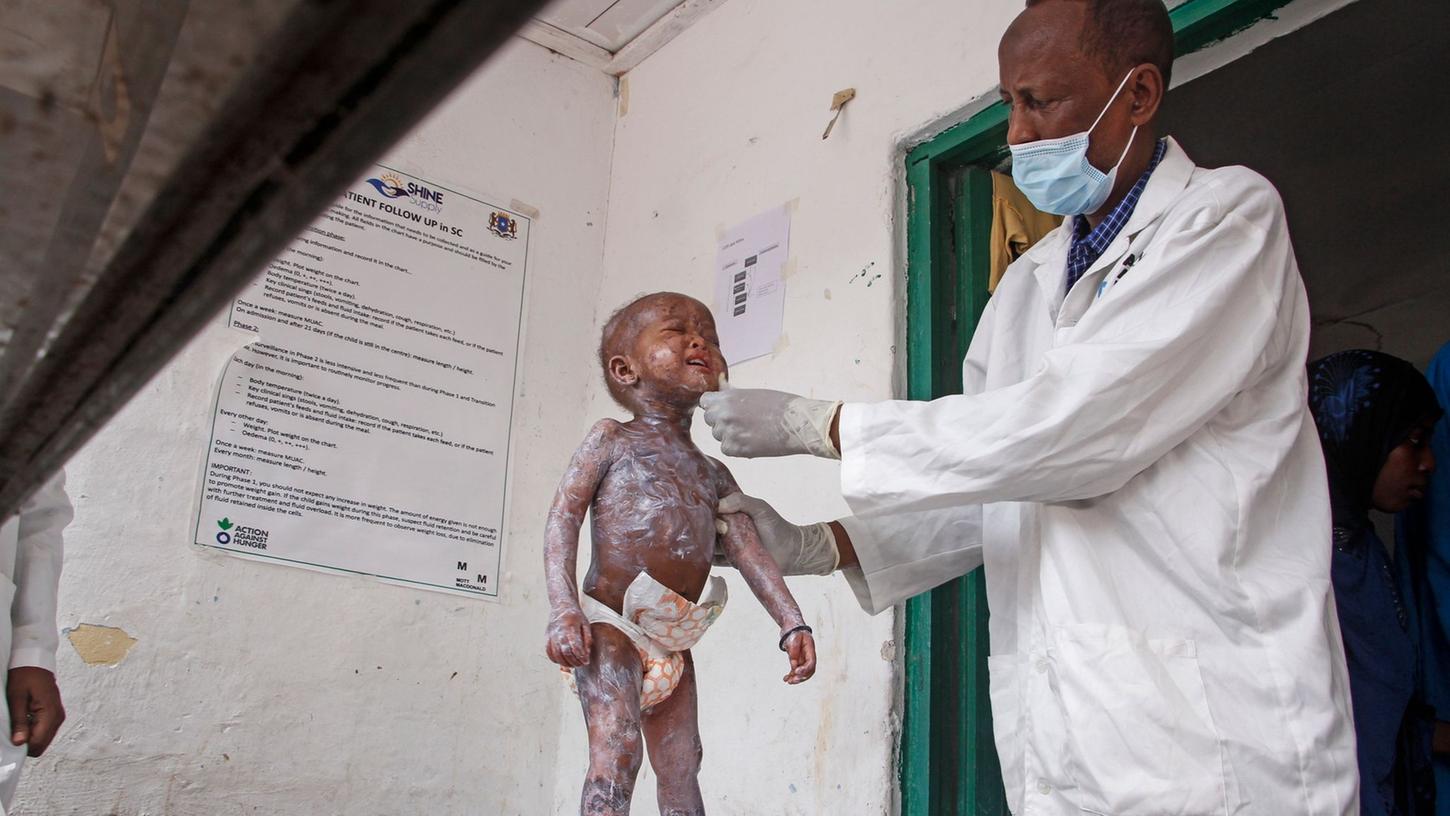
(1423, 556)
(1375, 413)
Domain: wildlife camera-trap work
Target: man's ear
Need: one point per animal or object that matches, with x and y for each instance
(1147, 90)
(621, 370)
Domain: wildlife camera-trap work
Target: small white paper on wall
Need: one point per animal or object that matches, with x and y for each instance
(749, 291)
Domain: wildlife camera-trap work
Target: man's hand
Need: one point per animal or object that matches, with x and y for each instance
(570, 638)
(752, 422)
(35, 709)
(809, 550)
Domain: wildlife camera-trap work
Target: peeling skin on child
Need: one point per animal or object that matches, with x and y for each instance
(743, 548)
(651, 496)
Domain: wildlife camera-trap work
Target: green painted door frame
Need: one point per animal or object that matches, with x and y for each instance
(948, 759)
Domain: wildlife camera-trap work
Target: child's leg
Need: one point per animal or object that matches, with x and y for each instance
(672, 732)
(609, 691)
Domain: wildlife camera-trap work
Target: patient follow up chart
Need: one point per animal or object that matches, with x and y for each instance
(366, 430)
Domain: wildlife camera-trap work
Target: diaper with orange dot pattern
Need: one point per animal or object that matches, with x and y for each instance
(661, 623)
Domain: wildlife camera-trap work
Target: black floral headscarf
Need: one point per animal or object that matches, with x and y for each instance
(1365, 403)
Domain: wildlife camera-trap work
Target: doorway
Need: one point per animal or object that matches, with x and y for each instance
(1347, 118)
(1279, 109)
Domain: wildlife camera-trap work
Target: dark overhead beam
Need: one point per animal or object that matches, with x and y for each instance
(341, 82)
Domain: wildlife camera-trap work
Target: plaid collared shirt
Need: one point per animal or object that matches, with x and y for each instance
(1087, 246)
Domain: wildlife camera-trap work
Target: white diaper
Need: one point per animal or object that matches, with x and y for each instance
(661, 623)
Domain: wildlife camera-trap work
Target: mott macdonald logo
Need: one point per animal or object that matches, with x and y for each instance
(233, 535)
(391, 185)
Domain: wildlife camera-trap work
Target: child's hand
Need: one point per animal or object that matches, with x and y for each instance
(801, 647)
(569, 638)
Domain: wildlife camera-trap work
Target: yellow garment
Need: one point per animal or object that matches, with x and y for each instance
(1016, 226)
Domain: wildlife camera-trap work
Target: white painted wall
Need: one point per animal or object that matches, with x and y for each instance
(725, 122)
(256, 688)
(722, 123)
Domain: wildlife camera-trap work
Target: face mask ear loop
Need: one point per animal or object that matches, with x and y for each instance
(1110, 102)
(1131, 137)
(1104, 111)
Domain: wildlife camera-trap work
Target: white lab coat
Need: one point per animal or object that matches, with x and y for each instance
(30, 556)
(1140, 475)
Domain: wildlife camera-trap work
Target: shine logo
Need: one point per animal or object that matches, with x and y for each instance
(389, 186)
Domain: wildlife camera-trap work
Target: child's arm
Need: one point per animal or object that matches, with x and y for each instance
(568, 634)
(743, 548)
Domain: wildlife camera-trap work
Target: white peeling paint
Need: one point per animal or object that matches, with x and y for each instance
(100, 645)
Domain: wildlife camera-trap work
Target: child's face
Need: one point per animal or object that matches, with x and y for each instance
(677, 351)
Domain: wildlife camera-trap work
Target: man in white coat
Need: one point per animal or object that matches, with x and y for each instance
(1132, 461)
(30, 557)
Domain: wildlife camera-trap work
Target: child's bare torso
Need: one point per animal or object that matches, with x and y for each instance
(654, 511)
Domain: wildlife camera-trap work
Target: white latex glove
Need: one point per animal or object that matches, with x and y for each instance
(809, 550)
(751, 422)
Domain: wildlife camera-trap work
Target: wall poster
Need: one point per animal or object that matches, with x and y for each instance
(366, 431)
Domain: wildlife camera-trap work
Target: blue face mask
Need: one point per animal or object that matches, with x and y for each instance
(1056, 175)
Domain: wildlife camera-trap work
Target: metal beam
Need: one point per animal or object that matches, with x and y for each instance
(341, 82)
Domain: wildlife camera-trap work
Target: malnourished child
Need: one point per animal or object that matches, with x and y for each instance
(649, 596)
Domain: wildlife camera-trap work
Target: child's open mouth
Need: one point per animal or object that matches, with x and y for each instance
(698, 362)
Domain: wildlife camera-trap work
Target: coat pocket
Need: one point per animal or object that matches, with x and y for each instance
(1140, 734)
(1004, 674)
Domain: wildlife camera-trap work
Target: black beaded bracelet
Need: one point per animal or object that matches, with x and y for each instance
(802, 628)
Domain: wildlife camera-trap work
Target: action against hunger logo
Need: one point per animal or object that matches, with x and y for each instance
(253, 537)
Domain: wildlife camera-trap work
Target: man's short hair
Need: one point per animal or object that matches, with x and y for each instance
(1121, 34)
